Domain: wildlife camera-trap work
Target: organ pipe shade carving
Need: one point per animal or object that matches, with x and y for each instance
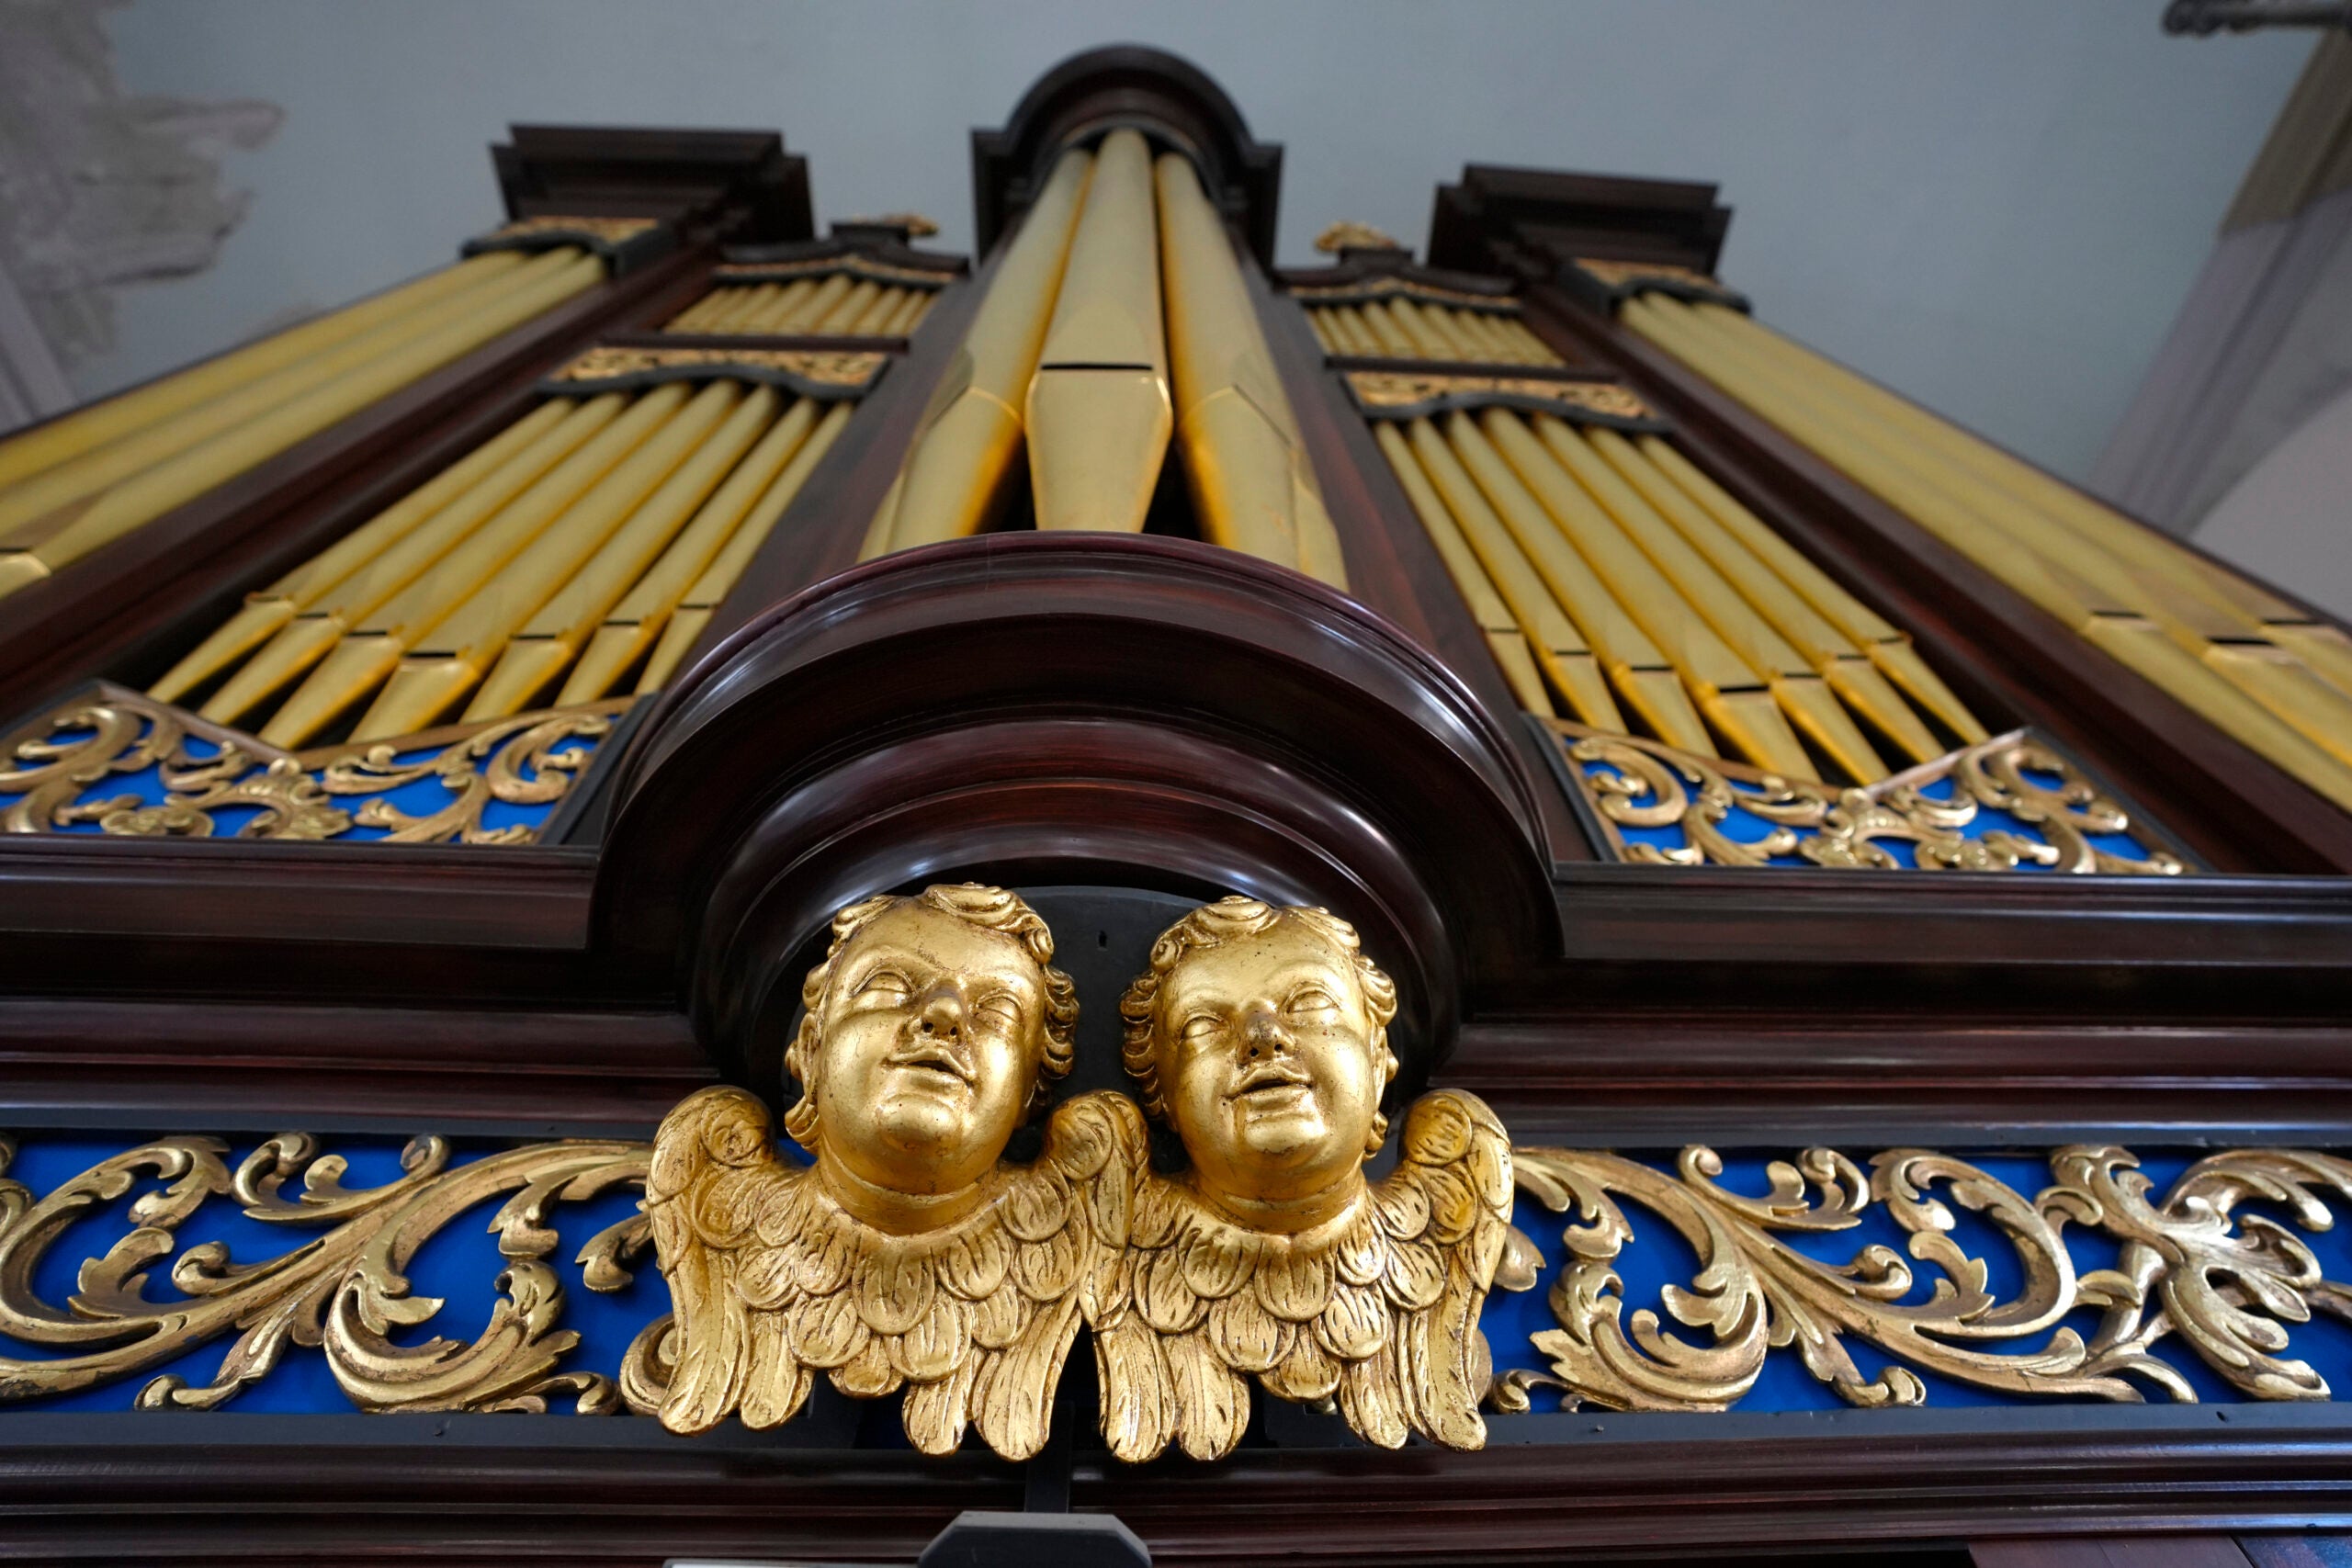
(544, 564)
(84, 480)
(2257, 668)
(2015, 802)
(1619, 587)
(111, 762)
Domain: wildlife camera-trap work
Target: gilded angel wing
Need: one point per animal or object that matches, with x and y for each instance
(724, 1208)
(1174, 1362)
(1444, 1217)
(1377, 1312)
(1067, 1217)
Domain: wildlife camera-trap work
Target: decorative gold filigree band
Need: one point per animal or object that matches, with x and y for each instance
(1388, 285)
(2193, 1265)
(1386, 394)
(2066, 824)
(2190, 1265)
(736, 275)
(829, 377)
(55, 767)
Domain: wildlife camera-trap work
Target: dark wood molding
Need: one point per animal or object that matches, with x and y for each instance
(1231, 726)
(1494, 209)
(445, 1489)
(1169, 97)
(549, 1071)
(738, 183)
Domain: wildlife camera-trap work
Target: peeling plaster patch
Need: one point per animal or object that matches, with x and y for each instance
(98, 187)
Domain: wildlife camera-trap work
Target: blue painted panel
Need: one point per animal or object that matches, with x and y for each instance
(461, 1262)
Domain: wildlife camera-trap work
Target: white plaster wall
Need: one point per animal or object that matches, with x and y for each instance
(1997, 205)
(2289, 519)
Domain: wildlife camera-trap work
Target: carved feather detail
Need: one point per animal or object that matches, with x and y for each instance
(1375, 1310)
(772, 1281)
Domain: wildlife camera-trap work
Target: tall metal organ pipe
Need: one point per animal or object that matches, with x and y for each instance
(1098, 412)
(1251, 484)
(955, 474)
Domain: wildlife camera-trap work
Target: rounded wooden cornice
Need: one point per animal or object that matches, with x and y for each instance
(1163, 94)
(1041, 709)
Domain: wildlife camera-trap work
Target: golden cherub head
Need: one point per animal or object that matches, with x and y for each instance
(933, 1026)
(1261, 1036)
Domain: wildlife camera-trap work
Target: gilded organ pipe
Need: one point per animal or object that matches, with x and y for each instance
(2164, 634)
(1504, 592)
(1731, 692)
(40, 508)
(1476, 485)
(71, 434)
(453, 652)
(1252, 487)
(846, 311)
(2235, 612)
(631, 626)
(1794, 686)
(804, 313)
(687, 621)
(954, 475)
(554, 635)
(542, 474)
(562, 549)
(1889, 650)
(1098, 413)
(83, 503)
(264, 613)
(1848, 674)
(1498, 619)
(360, 660)
(910, 314)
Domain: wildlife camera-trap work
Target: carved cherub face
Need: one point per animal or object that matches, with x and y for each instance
(931, 1026)
(1266, 1043)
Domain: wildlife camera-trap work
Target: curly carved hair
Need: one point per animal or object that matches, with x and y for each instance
(1231, 919)
(989, 909)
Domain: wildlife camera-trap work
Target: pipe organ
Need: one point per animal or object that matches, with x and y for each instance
(692, 891)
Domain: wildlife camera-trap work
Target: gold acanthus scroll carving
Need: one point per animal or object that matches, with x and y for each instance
(53, 766)
(2189, 1265)
(1650, 784)
(2211, 1264)
(344, 1291)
